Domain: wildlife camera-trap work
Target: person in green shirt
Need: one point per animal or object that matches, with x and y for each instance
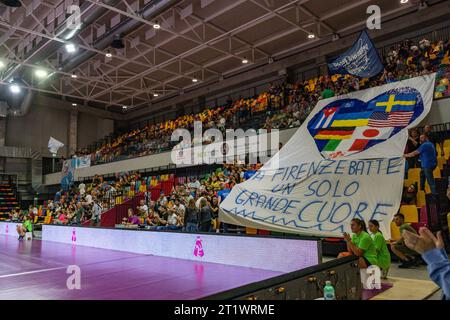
(79, 213)
(405, 254)
(383, 255)
(361, 244)
(327, 93)
(26, 226)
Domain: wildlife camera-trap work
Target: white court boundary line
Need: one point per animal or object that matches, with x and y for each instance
(30, 272)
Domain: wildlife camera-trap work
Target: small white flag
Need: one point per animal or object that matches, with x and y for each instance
(54, 145)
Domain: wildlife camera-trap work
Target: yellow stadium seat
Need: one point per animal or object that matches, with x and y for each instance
(438, 149)
(437, 173)
(441, 162)
(447, 144)
(427, 187)
(408, 182)
(414, 174)
(446, 152)
(420, 199)
(410, 212)
(251, 230)
(395, 232)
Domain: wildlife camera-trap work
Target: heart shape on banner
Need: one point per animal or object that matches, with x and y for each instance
(348, 126)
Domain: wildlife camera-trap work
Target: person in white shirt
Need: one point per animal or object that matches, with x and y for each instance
(88, 199)
(194, 184)
(96, 213)
(179, 207)
(82, 188)
(173, 221)
(162, 199)
(143, 208)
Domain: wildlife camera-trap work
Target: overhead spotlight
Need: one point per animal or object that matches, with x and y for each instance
(70, 48)
(335, 37)
(156, 25)
(156, 95)
(311, 36)
(74, 75)
(117, 42)
(2, 64)
(12, 3)
(270, 60)
(124, 107)
(108, 54)
(74, 104)
(244, 61)
(194, 80)
(404, 1)
(41, 73)
(14, 88)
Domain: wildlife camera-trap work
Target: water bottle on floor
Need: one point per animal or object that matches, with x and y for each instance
(328, 291)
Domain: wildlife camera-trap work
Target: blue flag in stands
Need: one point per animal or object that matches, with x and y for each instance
(361, 60)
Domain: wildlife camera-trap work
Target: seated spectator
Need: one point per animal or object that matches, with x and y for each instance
(174, 221)
(142, 209)
(405, 254)
(132, 218)
(26, 226)
(61, 218)
(361, 245)
(383, 255)
(433, 253)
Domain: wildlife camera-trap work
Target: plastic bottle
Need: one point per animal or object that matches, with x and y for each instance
(328, 291)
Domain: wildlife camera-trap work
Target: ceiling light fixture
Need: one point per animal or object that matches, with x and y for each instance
(194, 80)
(311, 36)
(74, 76)
(156, 95)
(404, 1)
(2, 64)
(244, 61)
(14, 88)
(108, 54)
(157, 25)
(74, 104)
(70, 48)
(124, 107)
(41, 73)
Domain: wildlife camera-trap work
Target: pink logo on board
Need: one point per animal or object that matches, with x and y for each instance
(74, 236)
(6, 231)
(198, 250)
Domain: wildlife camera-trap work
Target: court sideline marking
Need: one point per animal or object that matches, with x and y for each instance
(30, 272)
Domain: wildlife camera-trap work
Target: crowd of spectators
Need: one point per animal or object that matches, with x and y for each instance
(191, 205)
(285, 105)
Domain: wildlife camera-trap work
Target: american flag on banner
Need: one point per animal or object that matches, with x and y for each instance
(391, 119)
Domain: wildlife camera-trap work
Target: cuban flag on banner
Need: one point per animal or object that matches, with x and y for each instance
(361, 59)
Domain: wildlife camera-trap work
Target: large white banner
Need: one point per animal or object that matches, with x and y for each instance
(344, 162)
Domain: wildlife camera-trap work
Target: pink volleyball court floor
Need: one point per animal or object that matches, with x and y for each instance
(36, 269)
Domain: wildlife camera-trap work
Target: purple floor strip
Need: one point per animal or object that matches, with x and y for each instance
(37, 270)
(369, 294)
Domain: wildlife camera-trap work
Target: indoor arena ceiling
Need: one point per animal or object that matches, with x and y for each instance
(198, 41)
